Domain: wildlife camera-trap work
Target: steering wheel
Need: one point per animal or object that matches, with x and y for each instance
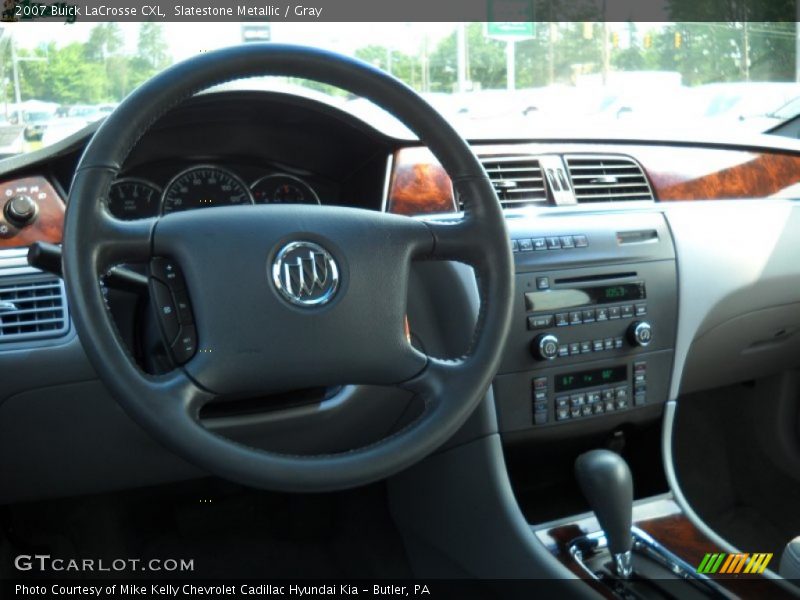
(286, 297)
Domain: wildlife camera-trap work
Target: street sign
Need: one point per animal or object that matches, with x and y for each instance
(511, 20)
(256, 33)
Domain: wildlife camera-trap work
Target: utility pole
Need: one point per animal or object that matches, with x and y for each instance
(461, 57)
(746, 44)
(15, 75)
(511, 66)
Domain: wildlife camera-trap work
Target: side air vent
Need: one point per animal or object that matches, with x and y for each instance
(597, 178)
(32, 307)
(518, 180)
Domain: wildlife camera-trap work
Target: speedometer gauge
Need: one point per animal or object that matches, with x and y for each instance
(131, 198)
(283, 189)
(204, 187)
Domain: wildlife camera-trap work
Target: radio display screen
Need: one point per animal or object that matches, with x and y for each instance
(585, 296)
(594, 377)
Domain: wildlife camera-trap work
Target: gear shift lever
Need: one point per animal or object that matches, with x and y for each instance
(605, 480)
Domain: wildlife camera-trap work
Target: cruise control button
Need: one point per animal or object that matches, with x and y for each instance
(525, 245)
(167, 270)
(186, 345)
(539, 244)
(165, 309)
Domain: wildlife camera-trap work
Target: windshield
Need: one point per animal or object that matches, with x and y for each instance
(721, 77)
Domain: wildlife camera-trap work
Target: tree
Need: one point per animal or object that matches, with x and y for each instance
(152, 46)
(485, 61)
(104, 40)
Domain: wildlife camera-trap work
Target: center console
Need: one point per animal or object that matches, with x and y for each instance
(594, 324)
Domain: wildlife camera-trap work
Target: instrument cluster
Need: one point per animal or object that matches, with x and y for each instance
(204, 186)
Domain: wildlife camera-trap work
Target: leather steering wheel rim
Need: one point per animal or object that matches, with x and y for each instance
(358, 337)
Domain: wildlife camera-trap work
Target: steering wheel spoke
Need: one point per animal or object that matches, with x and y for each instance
(120, 241)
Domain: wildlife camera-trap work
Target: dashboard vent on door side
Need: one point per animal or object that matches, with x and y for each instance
(601, 178)
(32, 307)
(518, 180)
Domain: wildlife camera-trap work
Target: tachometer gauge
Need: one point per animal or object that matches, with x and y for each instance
(283, 189)
(204, 187)
(131, 198)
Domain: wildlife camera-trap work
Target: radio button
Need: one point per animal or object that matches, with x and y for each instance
(618, 343)
(542, 283)
(588, 316)
(567, 242)
(641, 310)
(580, 241)
(563, 350)
(608, 344)
(627, 311)
(525, 245)
(602, 314)
(614, 312)
(640, 333)
(562, 319)
(597, 345)
(540, 322)
(539, 244)
(553, 243)
(545, 346)
(575, 318)
(574, 348)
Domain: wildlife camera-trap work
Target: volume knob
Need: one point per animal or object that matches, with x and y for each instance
(21, 210)
(545, 347)
(640, 333)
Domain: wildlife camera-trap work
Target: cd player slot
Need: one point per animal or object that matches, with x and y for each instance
(585, 278)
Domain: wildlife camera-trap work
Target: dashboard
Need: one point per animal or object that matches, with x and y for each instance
(645, 269)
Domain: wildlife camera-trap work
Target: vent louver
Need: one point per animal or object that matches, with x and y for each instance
(518, 180)
(607, 178)
(31, 307)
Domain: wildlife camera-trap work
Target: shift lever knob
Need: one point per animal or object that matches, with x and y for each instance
(605, 480)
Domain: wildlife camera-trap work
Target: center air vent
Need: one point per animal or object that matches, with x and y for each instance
(597, 178)
(517, 180)
(31, 307)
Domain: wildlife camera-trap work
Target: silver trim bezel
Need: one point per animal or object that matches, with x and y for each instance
(287, 176)
(141, 181)
(180, 174)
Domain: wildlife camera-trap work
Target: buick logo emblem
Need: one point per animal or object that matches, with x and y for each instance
(305, 274)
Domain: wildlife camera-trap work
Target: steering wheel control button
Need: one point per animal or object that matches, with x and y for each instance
(21, 210)
(165, 309)
(183, 307)
(640, 333)
(305, 274)
(185, 346)
(168, 271)
(545, 347)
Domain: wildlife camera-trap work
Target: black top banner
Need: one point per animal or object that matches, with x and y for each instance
(504, 11)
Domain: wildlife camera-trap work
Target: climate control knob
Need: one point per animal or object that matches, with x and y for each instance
(21, 210)
(640, 333)
(544, 347)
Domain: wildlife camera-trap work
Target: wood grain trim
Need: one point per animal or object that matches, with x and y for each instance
(49, 224)
(685, 174)
(419, 184)
(668, 525)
